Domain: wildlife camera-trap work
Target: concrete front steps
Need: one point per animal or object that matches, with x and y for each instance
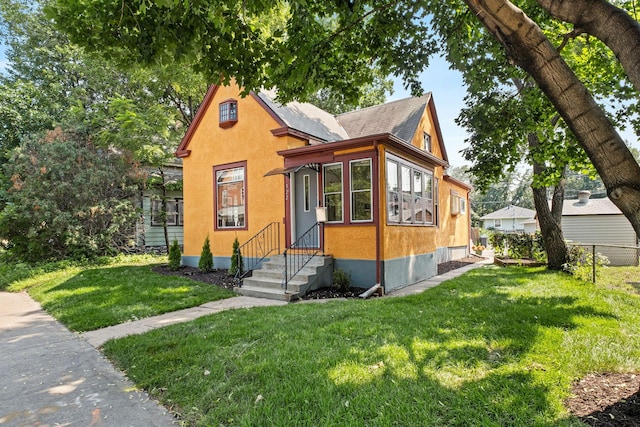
(266, 282)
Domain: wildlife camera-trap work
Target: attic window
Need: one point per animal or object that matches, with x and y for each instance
(426, 142)
(228, 113)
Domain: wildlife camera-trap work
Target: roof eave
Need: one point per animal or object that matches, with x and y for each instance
(182, 150)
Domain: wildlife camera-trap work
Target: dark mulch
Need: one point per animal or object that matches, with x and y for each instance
(599, 400)
(446, 267)
(607, 400)
(216, 277)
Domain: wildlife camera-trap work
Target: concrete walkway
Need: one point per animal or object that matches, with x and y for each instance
(99, 337)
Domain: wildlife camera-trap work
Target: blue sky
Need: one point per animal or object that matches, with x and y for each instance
(448, 94)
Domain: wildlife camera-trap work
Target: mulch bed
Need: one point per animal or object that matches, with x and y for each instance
(607, 400)
(524, 262)
(599, 400)
(216, 277)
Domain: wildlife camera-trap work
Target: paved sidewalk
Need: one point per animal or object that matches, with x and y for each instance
(49, 376)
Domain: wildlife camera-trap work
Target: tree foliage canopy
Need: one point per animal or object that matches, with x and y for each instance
(301, 46)
(68, 199)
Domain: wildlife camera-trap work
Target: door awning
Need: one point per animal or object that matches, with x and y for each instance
(294, 169)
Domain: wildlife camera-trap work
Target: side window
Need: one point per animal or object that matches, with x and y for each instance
(174, 212)
(230, 198)
(410, 191)
(332, 186)
(393, 192)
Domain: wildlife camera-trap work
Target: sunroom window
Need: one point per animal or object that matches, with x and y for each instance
(332, 186)
(361, 190)
(409, 193)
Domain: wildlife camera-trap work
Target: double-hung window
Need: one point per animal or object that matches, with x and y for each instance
(230, 197)
(361, 194)
(409, 193)
(332, 186)
(173, 212)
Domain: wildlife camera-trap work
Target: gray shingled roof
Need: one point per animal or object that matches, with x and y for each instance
(306, 118)
(399, 118)
(510, 212)
(591, 207)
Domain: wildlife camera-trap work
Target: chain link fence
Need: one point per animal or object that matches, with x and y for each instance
(598, 261)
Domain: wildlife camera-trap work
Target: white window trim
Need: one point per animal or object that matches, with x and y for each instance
(352, 191)
(341, 192)
(412, 167)
(306, 184)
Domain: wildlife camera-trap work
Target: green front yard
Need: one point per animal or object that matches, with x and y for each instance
(86, 298)
(494, 347)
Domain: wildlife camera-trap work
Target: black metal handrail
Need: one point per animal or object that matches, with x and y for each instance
(256, 249)
(308, 245)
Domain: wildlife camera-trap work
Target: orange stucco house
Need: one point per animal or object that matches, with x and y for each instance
(366, 190)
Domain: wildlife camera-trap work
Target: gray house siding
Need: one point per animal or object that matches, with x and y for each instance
(149, 235)
(605, 229)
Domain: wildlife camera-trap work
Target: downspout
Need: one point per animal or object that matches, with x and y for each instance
(378, 212)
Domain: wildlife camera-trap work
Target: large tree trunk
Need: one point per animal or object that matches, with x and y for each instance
(612, 25)
(550, 218)
(528, 47)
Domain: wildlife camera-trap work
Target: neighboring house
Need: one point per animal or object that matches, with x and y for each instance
(150, 228)
(378, 175)
(589, 220)
(510, 219)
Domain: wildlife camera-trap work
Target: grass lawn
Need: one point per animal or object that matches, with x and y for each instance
(85, 298)
(494, 347)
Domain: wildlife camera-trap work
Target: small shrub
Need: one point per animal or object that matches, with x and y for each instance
(236, 259)
(341, 280)
(519, 245)
(174, 256)
(580, 263)
(205, 264)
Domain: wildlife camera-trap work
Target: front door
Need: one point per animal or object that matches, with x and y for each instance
(305, 202)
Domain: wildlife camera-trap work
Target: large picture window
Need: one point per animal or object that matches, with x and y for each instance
(361, 190)
(230, 197)
(409, 193)
(332, 186)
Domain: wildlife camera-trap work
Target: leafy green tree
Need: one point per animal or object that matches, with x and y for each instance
(334, 45)
(68, 199)
(51, 82)
(205, 263)
(371, 94)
